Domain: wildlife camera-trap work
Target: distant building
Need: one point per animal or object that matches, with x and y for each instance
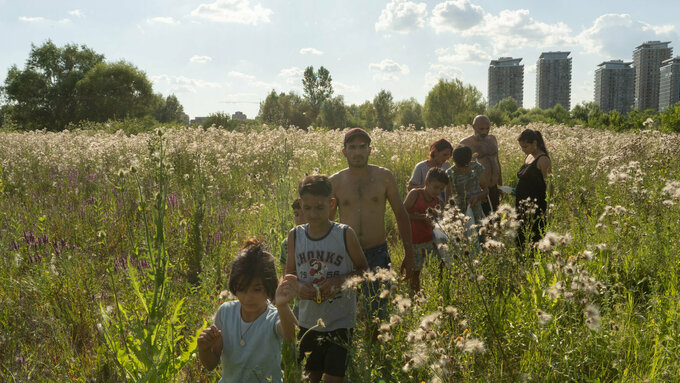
(615, 86)
(238, 116)
(198, 120)
(669, 83)
(647, 59)
(553, 80)
(506, 79)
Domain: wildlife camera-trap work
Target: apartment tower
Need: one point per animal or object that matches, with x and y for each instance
(506, 79)
(615, 86)
(553, 80)
(669, 84)
(647, 59)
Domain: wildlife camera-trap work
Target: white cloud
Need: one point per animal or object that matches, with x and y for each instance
(513, 29)
(200, 59)
(310, 51)
(233, 11)
(507, 31)
(612, 34)
(162, 20)
(345, 88)
(292, 75)
(441, 71)
(32, 19)
(76, 13)
(265, 84)
(388, 70)
(530, 68)
(464, 53)
(239, 75)
(181, 84)
(402, 16)
(41, 20)
(456, 15)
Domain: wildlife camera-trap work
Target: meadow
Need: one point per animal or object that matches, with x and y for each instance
(116, 251)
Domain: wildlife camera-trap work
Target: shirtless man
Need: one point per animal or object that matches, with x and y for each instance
(361, 191)
(486, 147)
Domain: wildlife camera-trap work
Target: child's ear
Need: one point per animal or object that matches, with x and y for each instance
(333, 201)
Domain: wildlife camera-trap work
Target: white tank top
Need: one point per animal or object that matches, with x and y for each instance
(316, 260)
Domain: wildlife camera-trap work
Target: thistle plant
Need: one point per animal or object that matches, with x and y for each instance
(146, 333)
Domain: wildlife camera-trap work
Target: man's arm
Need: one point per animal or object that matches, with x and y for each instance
(498, 162)
(403, 224)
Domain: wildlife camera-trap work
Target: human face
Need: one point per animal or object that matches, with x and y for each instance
(316, 210)
(441, 156)
(299, 218)
(253, 300)
(481, 128)
(528, 147)
(434, 188)
(357, 151)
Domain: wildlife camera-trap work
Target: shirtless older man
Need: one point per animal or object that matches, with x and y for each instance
(486, 147)
(361, 191)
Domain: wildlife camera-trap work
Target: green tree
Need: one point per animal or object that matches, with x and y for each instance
(169, 109)
(286, 110)
(219, 119)
(317, 87)
(452, 102)
(271, 111)
(409, 112)
(114, 91)
(333, 113)
(558, 114)
(670, 118)
(43, 94)
(384, 110)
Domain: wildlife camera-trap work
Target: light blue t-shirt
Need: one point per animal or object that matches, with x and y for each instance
(259, 360)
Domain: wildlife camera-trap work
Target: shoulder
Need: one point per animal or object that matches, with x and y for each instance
(543, 161)
(225, 310)
(380, 172)
(337, 175)
(271, 314)
(467, 141)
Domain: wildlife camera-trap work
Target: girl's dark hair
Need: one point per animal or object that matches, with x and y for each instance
(252, 263)
(462, 155)
(437, 174)
(529, 135)
(439, 145)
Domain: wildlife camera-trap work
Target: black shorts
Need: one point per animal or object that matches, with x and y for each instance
(328, 351)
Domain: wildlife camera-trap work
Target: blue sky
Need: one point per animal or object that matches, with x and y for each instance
(227, 55)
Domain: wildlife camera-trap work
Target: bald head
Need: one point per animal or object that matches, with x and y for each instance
(481, 125)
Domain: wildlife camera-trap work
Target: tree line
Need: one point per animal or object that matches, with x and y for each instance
(63, 86)
(73, 86)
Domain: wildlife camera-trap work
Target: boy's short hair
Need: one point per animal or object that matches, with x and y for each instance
(462, 155)
(437, 174)
(317, 185)
(356, 132)
(296, 205)
(252, 263)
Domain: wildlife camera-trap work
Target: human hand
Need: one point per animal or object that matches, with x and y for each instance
(329, 288)
(407, 267)
(210, 339)
(306, 290)
(473, 200)
(287, 290)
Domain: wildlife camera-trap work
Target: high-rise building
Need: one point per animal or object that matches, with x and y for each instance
(506, 79)
(615, 86)
(553, 80)
(647, 59)
(669, 84)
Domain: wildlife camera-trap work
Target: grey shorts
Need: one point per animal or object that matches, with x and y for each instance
(377, 257)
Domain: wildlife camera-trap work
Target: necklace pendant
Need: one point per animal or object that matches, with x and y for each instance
(243, 343)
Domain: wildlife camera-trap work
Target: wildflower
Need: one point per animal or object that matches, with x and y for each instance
(402, 303)
(451, 311)
(543, 317)
(352, 282)
(384, 294)
(474, 346)
(592, 314)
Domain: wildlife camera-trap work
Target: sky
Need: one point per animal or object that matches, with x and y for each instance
(227, 55)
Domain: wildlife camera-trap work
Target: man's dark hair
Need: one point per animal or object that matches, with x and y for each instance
(462, 155)
(437, 174)
(253, 263)
(315, 184)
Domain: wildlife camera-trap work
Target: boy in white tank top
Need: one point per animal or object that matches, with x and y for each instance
(323, 254)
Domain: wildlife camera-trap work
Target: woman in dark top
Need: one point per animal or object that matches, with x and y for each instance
(531, 187)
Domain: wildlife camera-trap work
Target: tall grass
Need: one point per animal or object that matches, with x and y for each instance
(599, 303)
